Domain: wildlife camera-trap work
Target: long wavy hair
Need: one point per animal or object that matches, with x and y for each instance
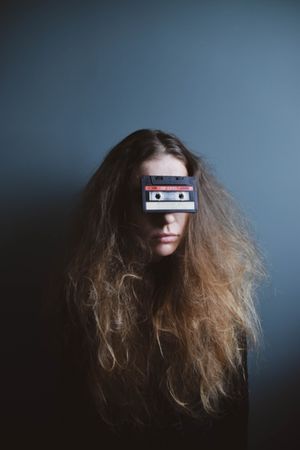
(175, 329)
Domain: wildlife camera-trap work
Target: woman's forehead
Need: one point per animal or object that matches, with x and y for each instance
(160, 165)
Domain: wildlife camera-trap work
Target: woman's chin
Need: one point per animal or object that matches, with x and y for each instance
(161, 250)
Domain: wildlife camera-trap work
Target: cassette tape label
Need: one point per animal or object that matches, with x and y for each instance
(168, 188)
(170, 206)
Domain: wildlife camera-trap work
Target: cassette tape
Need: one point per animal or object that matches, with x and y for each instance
(169, 193)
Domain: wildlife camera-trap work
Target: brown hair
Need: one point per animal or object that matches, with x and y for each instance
(174, 326)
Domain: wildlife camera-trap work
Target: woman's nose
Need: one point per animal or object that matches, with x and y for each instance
(160, 219)
(168, 218)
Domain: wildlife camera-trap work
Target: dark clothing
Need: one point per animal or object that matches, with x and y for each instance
(76, 424)
(82, 427)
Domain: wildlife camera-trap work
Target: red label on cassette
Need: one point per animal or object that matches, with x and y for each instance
(169, 188)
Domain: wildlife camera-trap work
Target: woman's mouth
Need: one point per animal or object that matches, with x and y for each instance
(165, 238)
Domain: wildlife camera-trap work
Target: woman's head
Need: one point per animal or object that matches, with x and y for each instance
(194, 303)
(112, 199)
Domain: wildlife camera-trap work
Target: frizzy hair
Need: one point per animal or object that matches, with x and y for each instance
(181, 324)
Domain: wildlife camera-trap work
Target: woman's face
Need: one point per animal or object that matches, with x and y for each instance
(163, 231)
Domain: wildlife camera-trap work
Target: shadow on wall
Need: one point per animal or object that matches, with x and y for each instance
(277, 410)
(33, 250)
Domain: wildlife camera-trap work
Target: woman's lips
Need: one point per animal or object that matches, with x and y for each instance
(165, 238)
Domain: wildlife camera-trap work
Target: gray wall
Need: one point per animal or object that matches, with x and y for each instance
(78, 76)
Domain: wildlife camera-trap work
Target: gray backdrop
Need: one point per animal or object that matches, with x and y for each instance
(76, 77)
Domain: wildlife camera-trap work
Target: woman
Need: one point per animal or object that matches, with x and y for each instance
(159, 307)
